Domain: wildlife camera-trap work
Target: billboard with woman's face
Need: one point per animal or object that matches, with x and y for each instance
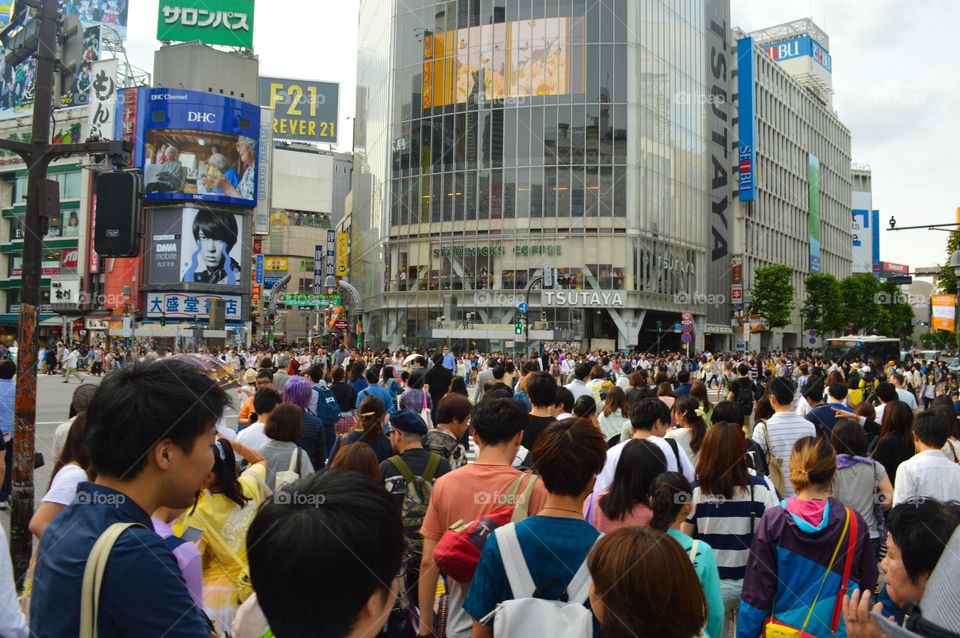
(199, 147)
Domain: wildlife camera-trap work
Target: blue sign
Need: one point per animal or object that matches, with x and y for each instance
(270, 282)
(801, 46)
(199, 147)
(686, 337)
(747, 153)
(523, 307)
(259, 275)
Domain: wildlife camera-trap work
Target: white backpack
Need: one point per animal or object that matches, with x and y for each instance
(528, 616)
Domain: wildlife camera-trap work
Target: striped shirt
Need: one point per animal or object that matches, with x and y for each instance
(725, 524)
(786, 428)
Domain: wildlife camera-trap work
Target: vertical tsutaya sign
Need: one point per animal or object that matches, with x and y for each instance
(330, 258)
(717, 122)
(318, 253)
(343, 254)
(261, 215)
(226, 22)
(103, 100)
(813, 177)
(746, 89)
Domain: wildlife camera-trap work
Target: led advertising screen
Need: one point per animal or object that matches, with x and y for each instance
(518, 59)
(199, 147)
(813, 175)
(195, 246)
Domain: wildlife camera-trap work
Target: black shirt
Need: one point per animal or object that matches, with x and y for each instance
(438, 378)
(416, 459)
(535, 425)
(380, 444)
(891, 452)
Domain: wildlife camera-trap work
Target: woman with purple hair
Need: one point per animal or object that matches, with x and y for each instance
(317, 437)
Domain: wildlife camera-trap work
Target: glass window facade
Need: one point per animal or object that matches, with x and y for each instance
(524, 134)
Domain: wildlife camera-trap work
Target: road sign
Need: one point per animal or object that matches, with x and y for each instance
(900, 281)
(676, 327)
(686, 337)
(523, 307)
(686, 317)
(736, 293)
(686, 328)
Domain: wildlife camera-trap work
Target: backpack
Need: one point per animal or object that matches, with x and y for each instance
(774, 464)
(328, 410)
(759, 389)
(458, 550)
(744, 394)
(527, 615)
(415, 502)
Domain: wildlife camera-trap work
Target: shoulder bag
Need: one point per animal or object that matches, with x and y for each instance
(774, 464)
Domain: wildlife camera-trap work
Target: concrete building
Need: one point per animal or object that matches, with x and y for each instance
(500, 143)
(794, 187)
(866, 221)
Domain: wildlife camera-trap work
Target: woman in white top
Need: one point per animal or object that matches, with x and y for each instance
(691, 428)
(615, 415)
(68, 472)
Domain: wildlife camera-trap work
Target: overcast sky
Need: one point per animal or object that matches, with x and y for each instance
(895, 76)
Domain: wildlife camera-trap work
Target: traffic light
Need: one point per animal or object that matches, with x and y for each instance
(518, 328)
(163, 320)
(659, 327)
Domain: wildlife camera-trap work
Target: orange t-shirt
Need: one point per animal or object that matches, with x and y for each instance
(247, 408)
(468, 492)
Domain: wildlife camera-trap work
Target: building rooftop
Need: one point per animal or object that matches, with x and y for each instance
(788, 30)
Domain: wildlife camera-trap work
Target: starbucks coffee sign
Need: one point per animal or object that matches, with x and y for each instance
(583, 298)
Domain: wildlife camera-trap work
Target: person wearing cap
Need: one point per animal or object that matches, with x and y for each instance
(919, 566)
(411, 461)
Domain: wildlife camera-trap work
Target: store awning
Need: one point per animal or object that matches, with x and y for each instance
(52, 321)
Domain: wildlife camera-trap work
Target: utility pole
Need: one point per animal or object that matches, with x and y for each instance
(37, 155)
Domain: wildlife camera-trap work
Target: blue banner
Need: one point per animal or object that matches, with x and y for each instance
(259, 269)
(746, 158)
(799, 47)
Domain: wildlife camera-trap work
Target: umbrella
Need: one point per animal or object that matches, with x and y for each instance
(410, 359)
(223, 373)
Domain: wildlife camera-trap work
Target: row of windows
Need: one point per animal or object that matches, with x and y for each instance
(69, 187)
(66, 224)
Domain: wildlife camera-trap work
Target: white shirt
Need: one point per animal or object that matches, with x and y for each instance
(929, 474)
(605, 478)
(253, 436)
(579, 389)
(72, 359)
(907, 397)
(786, 428)
(63, 488)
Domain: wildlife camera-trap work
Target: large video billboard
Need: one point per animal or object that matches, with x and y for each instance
(195, 246)
(813, 175)
(17, 82)
(302, 110)
(199, 147)
(519, 59)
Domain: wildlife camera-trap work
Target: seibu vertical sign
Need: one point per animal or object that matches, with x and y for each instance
(747, 124)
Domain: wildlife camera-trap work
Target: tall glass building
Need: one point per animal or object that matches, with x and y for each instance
(579, 149)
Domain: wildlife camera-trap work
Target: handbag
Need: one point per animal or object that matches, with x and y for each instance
(774, 464)
(425, 413)
(773, 628)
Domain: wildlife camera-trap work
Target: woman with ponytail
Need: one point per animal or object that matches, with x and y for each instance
(671, 498)
(691, 426)
(795, 572)
(223, 512)
(370, 429)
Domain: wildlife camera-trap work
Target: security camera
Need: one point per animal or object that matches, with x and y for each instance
(893, 222)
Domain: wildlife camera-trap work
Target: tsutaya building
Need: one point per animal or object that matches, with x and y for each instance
(593, 156)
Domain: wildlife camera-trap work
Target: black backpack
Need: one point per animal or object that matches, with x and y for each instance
(744, 395)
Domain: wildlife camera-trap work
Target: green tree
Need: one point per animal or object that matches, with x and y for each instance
(823, 306)
(896, 315)
(947, 281)
(772, 295)
(861, 308)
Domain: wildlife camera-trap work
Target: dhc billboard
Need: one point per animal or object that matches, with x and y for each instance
(747, 126)
(797, 47)
(198, 147)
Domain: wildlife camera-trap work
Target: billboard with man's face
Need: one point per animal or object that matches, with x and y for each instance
(199, 147)
(195, 246)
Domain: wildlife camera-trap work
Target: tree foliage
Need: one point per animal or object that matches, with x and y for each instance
(772, 295)
(896, 315)
(861, 308)
(947, 281)
(823, 306)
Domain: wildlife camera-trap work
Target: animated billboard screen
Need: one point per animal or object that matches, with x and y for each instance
(199, 147)
(195, 246)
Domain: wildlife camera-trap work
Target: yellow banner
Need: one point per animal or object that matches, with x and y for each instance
(343, 257)
(943, 314)
(275, 263)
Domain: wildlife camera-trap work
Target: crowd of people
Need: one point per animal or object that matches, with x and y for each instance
(435, 494)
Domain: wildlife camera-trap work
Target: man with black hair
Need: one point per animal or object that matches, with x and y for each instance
(326, 562)
(542, 392)
(437, 381)
(683, 383)
(264, 403)
(650, 419)
(778, 434)
(741, 391)
(150, 436)
(823, 415)
(886, 392)
(929, 474)
(579, 384)
(899, 382)
(468, 493)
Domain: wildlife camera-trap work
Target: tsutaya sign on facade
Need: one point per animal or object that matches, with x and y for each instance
(581, 298)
